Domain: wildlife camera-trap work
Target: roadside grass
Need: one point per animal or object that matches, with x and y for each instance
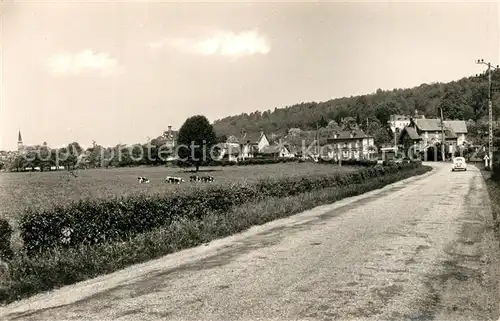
(58, 267)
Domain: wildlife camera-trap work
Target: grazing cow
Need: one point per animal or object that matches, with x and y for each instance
(207, 179)
(194, 178)
(143, 180)
(173, 180)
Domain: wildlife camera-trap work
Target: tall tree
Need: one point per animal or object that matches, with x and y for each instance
(196, 139)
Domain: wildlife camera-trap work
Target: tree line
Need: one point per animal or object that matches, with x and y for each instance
(196, 134)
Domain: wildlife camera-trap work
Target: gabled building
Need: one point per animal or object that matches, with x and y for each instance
(252, 143)
(355, 144)
(423, 133)
(459, 127)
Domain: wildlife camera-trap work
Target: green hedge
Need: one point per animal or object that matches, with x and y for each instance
(96, 221)
(264, 161)
(350, 162)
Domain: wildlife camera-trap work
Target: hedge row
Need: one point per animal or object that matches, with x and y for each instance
(263, 161)
(95, 221)
(249, 161)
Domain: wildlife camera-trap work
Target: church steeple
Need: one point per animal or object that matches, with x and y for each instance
(19, 141)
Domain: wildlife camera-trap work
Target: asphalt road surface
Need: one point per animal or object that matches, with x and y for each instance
(421, 249)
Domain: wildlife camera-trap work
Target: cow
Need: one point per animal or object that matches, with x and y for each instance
(143, 180)
(174, 180)
(194, 178)
(207, 179)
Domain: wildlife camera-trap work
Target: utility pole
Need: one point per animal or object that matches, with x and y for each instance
(395, 135)
(490, 112)
(442, 135)
(317, 139)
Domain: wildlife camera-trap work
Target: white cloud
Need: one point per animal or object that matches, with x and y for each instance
(223, 43)
(84, 61)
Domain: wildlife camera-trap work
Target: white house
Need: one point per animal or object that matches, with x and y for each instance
(459, 127)
(253, 143)
(398, 122)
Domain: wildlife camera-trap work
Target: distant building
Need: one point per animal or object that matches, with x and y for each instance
(170, 137)
(459, 127)
(20, 145)
(398, 122)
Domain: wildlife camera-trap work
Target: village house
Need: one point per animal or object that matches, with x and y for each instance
(423, 133)
(355, 144)
(277, 151)
(398, 122)
(251, 145)
(247, 146)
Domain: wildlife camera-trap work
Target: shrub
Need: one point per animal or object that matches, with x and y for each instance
(5, 235)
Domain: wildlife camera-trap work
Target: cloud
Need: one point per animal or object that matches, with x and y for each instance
(223, 43)
(84, 61)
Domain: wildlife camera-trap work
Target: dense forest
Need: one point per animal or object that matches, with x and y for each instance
(465, 99)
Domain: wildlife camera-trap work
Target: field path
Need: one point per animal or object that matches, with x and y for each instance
(421, 249)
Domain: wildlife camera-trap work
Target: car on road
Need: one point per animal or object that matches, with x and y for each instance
(459, 164)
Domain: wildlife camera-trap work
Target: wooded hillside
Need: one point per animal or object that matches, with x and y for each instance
(465, 99)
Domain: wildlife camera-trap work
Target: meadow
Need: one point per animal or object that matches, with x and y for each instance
(19, 191)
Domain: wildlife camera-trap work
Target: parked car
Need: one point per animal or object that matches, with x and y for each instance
(459, 164)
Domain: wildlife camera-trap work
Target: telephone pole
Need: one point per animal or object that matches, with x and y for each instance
(442, 136)
(395, 135)
(490, 112)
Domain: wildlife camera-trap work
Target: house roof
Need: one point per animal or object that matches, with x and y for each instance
(434, 125)
(272, 149)
(343, 135)
(425, 124)
(253, 138)
(458, 126)
(412, 133)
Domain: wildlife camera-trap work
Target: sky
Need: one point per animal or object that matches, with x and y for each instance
(119, 72)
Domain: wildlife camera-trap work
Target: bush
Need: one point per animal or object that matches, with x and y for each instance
(96, 221)
(5, 235)
(249, 161)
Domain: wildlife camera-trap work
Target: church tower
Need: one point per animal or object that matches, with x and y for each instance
(19, 142)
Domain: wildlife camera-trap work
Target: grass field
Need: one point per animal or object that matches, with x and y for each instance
(42, 190)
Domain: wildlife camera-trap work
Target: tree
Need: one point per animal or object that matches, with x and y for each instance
(322, 122)
(348, 123)
(332, 124)
(196, 137)
(222, 139)
(380, 133)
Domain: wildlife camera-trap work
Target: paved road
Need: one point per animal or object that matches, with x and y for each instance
(418, 250)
